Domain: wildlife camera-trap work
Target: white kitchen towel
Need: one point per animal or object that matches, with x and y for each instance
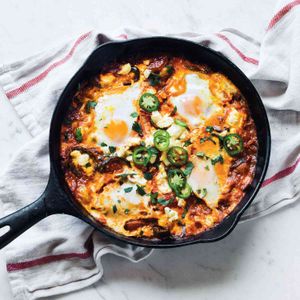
(62, 254)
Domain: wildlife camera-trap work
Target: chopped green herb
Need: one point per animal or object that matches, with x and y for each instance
(170, 69)
(134, 114)
(87, 165)
(128, 189)
(112, 149)
(154, 79)
(119, 201)
(164, 201)
(125, 175)
(188, 169)
(204, 192)
(207, 138)
(187, 143)
(137, 128)
(90, 105)
(66, 136)
(185, 211)
(153, 198)
(217, 159)
(126, 211)
(202, 155)
(207, 167)
(174, 111)
(209, 129)
(78, 135)
(181, 123)
(148, 176)
(114, 208)
(103, 145)
(140, 190)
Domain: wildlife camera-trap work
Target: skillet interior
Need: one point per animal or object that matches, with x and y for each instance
(117, 51)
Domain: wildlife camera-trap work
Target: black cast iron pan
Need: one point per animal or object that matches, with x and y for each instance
(57, 198)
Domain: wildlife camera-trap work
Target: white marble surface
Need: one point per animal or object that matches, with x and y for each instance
(261, 258)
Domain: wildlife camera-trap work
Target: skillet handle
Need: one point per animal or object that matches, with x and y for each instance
(21, 220)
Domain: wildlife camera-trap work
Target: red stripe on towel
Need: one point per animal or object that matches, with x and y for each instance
(281, 174)
(282, 12)
(25, 86)
(52, 258)
(45, 260)
(239, 52)
(123, 36)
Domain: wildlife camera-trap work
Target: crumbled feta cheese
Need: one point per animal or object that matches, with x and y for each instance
(171, 214)
(233, 117)
(80, 158)
(175, 131)
(181, 202)
(164, 187)
(147, 73)
(161, 121)
(125, 69)
(138, 179)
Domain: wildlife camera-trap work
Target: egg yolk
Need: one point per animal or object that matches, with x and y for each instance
(116, 130)
(192, 106)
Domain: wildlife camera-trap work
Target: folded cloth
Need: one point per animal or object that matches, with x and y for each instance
(61, 253)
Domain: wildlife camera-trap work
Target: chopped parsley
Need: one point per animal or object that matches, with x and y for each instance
(217, 159)
(78, 135)
(148, 176)
(174, 111)
(164, 201)
(207, 138)
(207, 167)
(134, 115)
(180, 123)
(87, 165)
(90, 105)
(140, 190)
(126, 211)
(188, 169)
(137, 128)
(125, 175)
(209, 129)
(103, 145)
(185, 211)
(203, 193)
(114, 208)
(128, 189)
(187, 143)
(202, 155)
(112, 149)
(170, 69)
(154, 79)
(153, 198)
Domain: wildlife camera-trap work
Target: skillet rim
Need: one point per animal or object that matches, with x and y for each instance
(232, 219)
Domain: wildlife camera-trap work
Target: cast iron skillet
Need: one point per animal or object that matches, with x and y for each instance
(57, 197)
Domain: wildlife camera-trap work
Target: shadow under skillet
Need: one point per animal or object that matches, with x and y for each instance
(185, 267)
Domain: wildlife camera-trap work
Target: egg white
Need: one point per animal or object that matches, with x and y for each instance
(116, 195)
(195, 87)
(118, 108)
(205, 178)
